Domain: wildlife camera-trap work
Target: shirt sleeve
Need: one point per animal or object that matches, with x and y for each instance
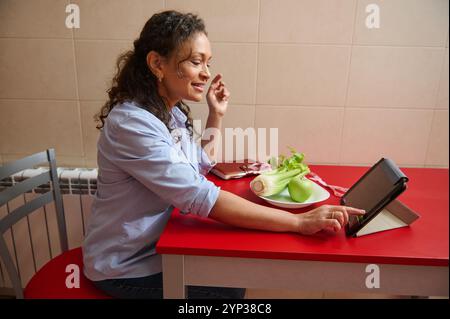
(204, 163)
(143, 150)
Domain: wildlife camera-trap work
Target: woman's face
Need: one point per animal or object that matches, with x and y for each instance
(187, 80)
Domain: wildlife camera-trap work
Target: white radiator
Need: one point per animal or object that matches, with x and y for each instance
(34, 240)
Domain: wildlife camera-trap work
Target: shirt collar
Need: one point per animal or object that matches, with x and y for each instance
(178, 115)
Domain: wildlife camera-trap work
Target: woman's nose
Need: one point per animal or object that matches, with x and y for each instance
(205, 73)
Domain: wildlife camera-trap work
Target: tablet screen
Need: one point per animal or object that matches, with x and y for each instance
(371, 190)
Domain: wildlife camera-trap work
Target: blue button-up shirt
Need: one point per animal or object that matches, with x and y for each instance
(144, 171)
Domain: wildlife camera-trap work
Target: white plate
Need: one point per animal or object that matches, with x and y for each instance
(284, 200)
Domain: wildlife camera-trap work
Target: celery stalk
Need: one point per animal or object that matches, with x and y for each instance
(271, 184)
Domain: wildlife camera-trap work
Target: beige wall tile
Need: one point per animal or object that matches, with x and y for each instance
(34, 19)
(37, 68)
(90, 132)
(404, 22)
(242, 116)
(394, 77)
(70, 161)
(236, 116)
(96, 66)
(442, 100)
(91, 163)
(32, 126)
(401, 135)
(232, 20)
(315, 131)
(438, 144)
(302, 75)
(237, 64)
(306, 21)
(114, 19)
(199, 112)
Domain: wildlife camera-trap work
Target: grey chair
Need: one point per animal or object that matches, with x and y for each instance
(21, 188)
(48, 282)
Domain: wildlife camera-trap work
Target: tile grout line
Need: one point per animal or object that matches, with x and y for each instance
(284, 106)
(429, 138)
(349, 69)
(77, 91)
(362, 108)
(436, 101)
(243, 43)
(255, 92)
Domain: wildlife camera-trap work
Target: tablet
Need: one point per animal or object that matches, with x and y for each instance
(379, 186)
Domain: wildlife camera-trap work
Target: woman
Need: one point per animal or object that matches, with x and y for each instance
(147, 166)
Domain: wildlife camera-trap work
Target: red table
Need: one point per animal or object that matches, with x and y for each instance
(409, 261)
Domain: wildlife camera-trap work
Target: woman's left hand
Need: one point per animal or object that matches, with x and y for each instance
(217, 96)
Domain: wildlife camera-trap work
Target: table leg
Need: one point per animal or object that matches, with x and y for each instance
(173, 277)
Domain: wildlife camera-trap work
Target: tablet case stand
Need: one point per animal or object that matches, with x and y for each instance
(394, 215)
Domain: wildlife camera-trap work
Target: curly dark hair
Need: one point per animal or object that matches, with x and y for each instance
(164, 33)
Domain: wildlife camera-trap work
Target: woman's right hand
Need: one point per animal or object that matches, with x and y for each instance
(326, 217)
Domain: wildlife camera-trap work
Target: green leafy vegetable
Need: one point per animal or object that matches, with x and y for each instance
(284, 169)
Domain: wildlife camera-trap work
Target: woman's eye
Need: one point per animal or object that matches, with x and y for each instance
(198, 63)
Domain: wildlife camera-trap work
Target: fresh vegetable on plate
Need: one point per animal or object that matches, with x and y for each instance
(285, 171)
(300, 188)
(273, 182)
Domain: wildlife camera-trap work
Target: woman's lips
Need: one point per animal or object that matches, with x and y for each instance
(199, 86)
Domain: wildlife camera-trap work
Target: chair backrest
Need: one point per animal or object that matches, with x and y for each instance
(17, 189)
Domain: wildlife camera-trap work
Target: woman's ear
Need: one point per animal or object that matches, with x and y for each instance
(155, 64)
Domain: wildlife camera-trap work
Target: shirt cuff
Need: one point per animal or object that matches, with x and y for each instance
(205, 164)
(203, 206)
(208, 202)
